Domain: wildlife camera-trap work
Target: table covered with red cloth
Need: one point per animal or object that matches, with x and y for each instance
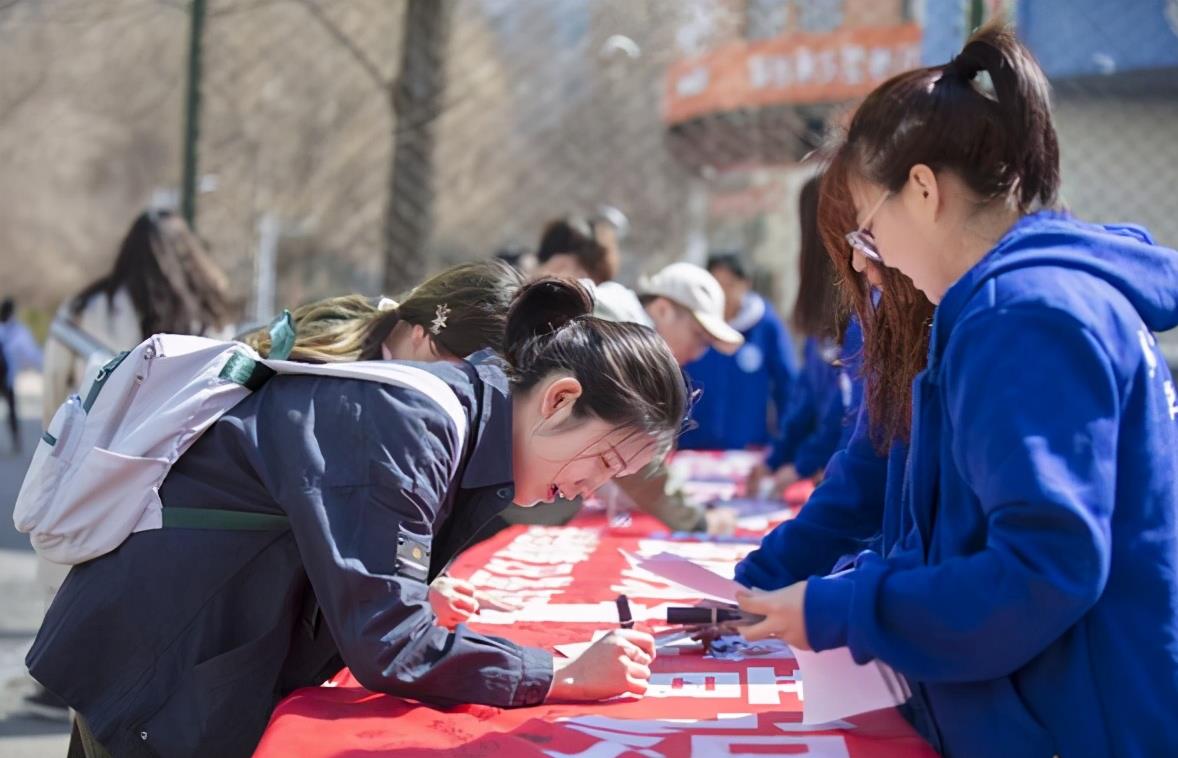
(569, 577)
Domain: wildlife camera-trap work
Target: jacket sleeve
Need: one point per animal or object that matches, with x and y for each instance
(842, 515)
(1034, 406)
(835, 418)
(797, 423)
(782, 367)
(358, 467)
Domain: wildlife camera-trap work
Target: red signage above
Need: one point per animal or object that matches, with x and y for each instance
(797, 68)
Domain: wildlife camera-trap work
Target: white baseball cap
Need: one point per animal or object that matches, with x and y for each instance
(698, 291)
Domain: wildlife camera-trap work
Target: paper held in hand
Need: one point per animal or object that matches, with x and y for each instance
(834, 686)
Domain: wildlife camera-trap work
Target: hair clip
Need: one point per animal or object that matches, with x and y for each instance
(439, 322)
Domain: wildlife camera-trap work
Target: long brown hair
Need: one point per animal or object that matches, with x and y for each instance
(171, 279)
(895, 329)
(818, 310)
(473, 296)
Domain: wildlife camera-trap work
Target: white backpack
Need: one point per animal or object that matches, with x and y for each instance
(95, 477)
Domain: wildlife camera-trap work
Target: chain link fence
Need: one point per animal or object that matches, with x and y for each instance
(490, 117)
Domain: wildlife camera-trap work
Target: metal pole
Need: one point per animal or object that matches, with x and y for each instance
(192, 113)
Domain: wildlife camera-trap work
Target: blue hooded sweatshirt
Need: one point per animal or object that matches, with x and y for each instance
(1033, 599)
(823, 407)
(738, 390)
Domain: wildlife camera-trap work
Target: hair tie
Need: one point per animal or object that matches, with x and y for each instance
(965, 67)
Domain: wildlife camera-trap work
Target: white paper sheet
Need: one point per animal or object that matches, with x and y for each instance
(834, 687)
(707, 584)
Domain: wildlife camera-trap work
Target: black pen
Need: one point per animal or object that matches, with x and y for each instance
(624, 617)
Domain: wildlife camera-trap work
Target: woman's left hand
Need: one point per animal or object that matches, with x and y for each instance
(453, 600)
(784, 612)
(456, 600)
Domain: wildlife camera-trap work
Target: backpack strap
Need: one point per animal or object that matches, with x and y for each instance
(216, 518)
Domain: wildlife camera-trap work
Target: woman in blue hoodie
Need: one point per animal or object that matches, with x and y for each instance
(1033, 598)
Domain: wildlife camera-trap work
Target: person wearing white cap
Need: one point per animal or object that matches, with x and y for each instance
(682, 302)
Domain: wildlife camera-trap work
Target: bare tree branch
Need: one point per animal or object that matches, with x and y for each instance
(347, 42)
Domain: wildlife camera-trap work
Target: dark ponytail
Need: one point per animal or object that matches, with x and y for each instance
(1000, 140)
(628, 375)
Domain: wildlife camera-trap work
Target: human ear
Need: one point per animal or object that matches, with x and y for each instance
(559, 398)
(923, 192)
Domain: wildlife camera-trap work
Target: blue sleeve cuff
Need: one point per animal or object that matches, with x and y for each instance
(828, 610)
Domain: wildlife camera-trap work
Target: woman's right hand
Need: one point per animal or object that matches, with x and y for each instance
(760, 473)
(616, 664)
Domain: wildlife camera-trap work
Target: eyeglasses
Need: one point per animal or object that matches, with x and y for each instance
(862, 240)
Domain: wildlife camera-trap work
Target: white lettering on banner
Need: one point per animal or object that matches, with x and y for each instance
(693, 82)
(708, 684)
(483, 578)
(605, 612)
(853, 58)
(766, 685)
(828, 66)
(603, 750)
(818, 745)
(530, 570)
(633, 740)
(542, 557)
(879, 63)
(804, 65)
(641, 736)
(719, 552)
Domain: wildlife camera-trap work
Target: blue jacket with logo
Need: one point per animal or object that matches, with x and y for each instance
(181, 641)
(1033, 598)
(823, 406)
(733, 410)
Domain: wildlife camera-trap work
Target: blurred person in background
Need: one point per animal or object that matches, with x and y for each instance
(163, 280)
(18, 351)
(569, 247)
(519, 258)
(827, 394)
(743, 396)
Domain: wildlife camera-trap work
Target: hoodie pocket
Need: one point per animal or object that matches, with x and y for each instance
(985, 719)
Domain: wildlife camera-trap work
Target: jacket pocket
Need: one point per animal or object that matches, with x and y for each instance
(985, 719)
(221, 705)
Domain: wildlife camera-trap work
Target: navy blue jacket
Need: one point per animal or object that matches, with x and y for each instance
(181, 641)
(739, 391)
(1033, 599)
(825, 401)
